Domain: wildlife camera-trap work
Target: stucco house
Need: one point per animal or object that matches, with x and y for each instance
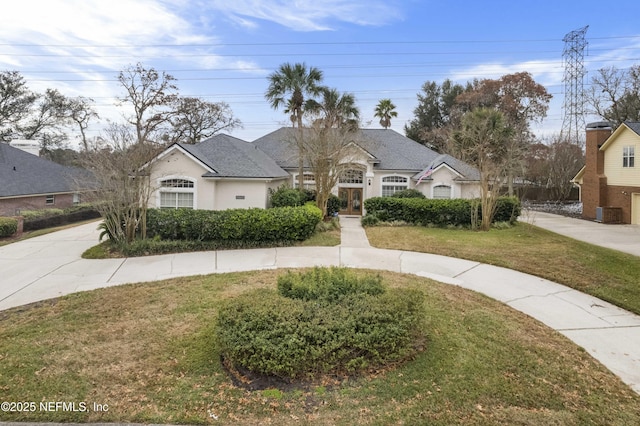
(610, 180)
(28, 182)
(219, 173)
(385, 162)
(226, 172)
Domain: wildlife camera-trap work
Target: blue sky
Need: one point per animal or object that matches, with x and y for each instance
(224, 50)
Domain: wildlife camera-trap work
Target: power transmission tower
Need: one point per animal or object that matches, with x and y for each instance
(573, 124)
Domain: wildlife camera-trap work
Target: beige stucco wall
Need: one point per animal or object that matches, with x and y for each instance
(613, 170)
(210, 193)
(242, 194)
(179, 166)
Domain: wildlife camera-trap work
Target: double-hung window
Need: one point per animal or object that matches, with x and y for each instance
(176, 193)
(393, 184)
(628, 156)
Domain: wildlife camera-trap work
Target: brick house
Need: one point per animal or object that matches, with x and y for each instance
(610, 180)
(28, 182)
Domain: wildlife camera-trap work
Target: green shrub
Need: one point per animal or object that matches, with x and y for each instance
(441, 213)
(369, 220)
(8, 226)
(327, 284)
(38, 214)
(287, 197)
(408, 193)
(276, 224)
(333, 205)
(270, 334)
(507, 210)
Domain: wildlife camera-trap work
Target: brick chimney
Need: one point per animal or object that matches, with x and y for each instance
(594, 186)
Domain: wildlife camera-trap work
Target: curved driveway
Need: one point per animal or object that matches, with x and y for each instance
(50, 266)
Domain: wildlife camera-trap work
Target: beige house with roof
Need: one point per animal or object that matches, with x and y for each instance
(610, 181)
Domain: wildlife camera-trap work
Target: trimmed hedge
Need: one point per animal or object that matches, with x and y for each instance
(328, 284)
(276, 224)
(270, 334)
(8, 226)
(408, 193)
(453, 212)
(42, 221)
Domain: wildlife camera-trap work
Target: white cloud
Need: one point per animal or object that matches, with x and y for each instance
(310, 15)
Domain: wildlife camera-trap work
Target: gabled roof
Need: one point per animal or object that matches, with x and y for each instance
(634, 126)
(226, 156)
(23, 174)
(391, 150)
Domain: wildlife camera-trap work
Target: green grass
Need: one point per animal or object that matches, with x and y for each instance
(148, 352)
(608, 274)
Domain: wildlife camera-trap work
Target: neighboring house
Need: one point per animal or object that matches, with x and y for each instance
(610, 180)
(225, 172)
(219, 173)
(385, 162)
(28, 182)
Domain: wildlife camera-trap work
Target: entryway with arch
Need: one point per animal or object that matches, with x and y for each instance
(351, 191)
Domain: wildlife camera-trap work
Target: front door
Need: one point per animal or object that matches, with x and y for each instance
(350, 201)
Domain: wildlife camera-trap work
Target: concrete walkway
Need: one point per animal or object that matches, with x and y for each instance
(50, 266)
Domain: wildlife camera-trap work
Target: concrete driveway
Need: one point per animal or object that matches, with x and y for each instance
(50, 266)
(625, 238)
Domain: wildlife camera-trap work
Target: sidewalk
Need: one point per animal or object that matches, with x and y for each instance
(50, 266)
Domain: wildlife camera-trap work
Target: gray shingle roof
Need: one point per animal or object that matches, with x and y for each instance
(633, 125)
(232, 157)
(22, 174)
(391, 150)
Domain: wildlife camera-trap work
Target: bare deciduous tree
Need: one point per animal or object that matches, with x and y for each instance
(120, 175)
(195, 119)
(615, 94)
(151, 94)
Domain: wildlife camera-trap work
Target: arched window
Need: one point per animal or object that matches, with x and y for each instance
(176, 193)
(351, 176)
(309, 181)
(442, 192)
(393, 184)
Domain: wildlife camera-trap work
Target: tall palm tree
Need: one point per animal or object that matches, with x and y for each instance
(385, 110)
(296, 81)
(338, 110)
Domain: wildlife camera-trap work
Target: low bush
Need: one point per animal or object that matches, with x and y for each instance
(8, 226)
(48, 218)
(369, 220)
(441, 213)
(332, 329)
(327, 284)
(284, 196)
(409, 193)
(257, 225)
(333, 205)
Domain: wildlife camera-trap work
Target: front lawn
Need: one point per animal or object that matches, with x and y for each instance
(146, 353)
(608, 274)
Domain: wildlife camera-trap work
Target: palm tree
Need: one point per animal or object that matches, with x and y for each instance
(385, 110)
(338, 110)
(296, 81)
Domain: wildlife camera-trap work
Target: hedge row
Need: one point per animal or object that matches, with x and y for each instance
(277, 224)
(270, 334)
(456, 212)
(58, 219)
(8, 226)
